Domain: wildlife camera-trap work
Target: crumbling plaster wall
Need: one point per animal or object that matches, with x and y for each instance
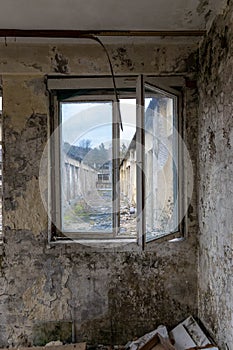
(216, 180)
(111, 296)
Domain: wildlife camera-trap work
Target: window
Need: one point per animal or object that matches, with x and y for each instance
(115, 167)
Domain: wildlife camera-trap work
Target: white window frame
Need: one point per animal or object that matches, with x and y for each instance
(61, 83)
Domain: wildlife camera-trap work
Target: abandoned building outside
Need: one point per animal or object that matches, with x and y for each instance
(112, 295)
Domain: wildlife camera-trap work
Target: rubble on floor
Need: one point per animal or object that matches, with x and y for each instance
(186, 336)
(150, 340)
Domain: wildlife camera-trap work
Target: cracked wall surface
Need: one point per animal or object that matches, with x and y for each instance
(216, 180)
(107, 296)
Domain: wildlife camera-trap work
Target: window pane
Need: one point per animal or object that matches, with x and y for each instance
(161, 202)
(128, 187)
(86, 163)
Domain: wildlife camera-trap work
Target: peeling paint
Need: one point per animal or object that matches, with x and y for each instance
(226, 135)
(122, 57)
(15, 106)
(60, 63)
(212, 146)
(109, 296)
(22, 206)
(189, 17)
(202, 6)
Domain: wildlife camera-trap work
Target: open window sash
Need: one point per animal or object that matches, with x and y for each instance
(158, 161)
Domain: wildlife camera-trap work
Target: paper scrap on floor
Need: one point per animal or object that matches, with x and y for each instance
(188, 335)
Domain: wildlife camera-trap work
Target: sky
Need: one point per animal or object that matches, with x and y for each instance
(93, 121)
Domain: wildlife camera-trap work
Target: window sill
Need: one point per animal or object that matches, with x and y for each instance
(109, 243)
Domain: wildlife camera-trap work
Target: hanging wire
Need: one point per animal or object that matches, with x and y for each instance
(95, 38)
(112, 74)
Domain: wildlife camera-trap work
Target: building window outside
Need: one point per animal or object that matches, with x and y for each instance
(114, 175)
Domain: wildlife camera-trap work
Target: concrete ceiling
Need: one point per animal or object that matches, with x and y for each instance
(108, 14)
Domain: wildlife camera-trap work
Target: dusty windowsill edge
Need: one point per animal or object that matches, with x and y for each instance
(110, 243)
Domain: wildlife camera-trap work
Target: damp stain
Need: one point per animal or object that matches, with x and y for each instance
(60, 63)
(202, 7)
(122, 57)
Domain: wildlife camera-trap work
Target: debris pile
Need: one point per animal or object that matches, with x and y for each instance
(186, 336)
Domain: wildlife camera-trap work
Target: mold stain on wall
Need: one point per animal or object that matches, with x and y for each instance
(111, 296)
(60, 63)
(215, 186)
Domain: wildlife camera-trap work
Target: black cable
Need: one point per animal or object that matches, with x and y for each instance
(112, 74)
